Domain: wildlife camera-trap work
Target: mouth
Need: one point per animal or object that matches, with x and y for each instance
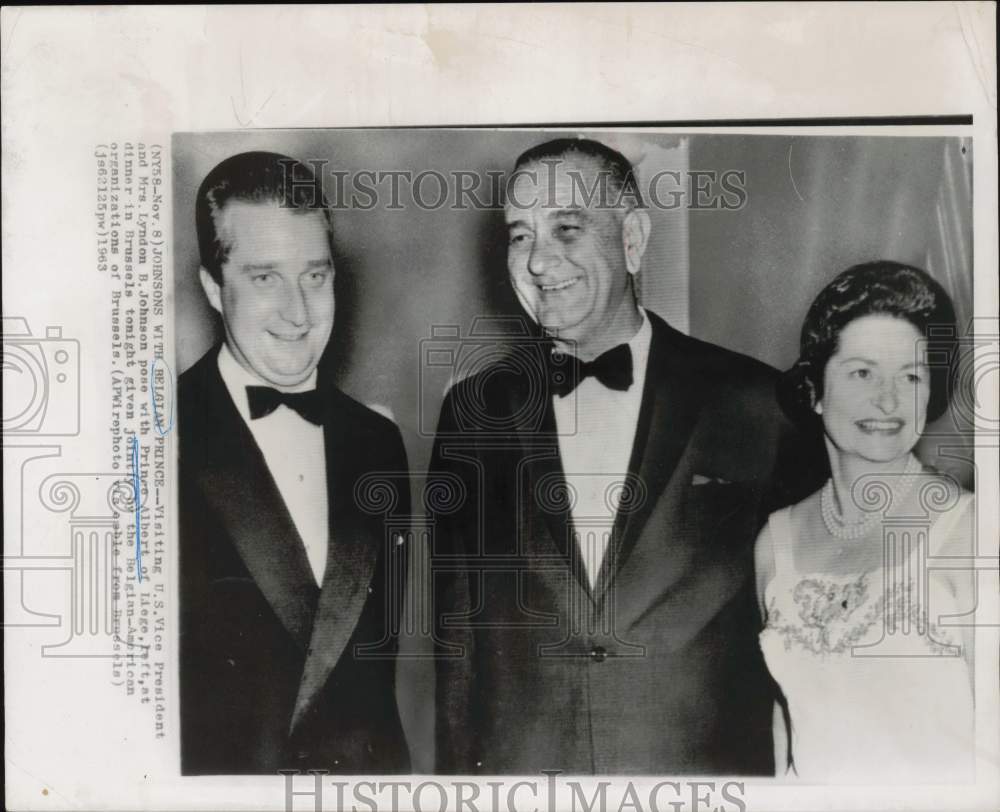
(555, 287)
(888, 426)
(288, 338)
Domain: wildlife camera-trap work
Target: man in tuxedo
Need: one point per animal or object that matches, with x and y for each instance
(592, 560)
(290, 585)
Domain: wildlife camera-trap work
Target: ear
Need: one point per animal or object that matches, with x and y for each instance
(213, 290)
(806, 382)
(635, 235)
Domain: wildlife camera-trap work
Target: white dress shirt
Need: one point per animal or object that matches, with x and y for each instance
(293, 449)
(596, 428)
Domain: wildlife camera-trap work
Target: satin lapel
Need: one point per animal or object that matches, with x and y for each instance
(352, 553)
(236, 482)
(671, 400)
(545, 485)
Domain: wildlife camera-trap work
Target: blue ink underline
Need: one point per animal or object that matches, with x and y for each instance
(137, 494)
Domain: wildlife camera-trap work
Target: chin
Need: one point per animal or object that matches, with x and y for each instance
(566, 328)
(884, 455)
(552, 328)
(290, 376)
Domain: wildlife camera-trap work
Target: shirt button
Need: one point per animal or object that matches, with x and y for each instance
(598, 654)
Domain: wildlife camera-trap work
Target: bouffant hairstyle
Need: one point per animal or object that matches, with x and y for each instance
(252, 177)
(872, 288)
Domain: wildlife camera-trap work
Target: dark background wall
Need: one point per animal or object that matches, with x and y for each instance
(815, 206)
(740, 278)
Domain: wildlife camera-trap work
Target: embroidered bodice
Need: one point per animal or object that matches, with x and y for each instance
(870, 664)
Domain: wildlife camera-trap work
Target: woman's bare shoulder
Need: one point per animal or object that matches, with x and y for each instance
(802, 515)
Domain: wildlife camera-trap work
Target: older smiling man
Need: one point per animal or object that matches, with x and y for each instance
(594, 588)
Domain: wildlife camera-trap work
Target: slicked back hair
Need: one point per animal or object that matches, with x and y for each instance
(253, 177)
(622, 185)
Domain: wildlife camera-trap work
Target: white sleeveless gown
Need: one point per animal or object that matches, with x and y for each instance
(868, 665)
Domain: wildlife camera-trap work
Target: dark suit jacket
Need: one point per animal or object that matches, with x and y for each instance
(272, 671)
(657, 669)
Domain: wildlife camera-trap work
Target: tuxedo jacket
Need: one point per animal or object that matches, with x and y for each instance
(277, 672)
(656, 669)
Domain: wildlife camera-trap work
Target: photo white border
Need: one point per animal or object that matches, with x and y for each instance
(76, 77)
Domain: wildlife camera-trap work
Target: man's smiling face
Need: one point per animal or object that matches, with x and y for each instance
(566, 254)
(276, 296)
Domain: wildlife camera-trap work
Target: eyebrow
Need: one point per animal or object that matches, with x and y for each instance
(564, 212)
(251, 267)
(870, 362)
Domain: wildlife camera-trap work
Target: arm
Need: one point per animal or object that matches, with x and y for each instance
(763, 556)
(958, 542)
(452, 528)
(764, 570)
(782, 764)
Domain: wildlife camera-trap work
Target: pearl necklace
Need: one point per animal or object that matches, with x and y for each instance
(848, 532)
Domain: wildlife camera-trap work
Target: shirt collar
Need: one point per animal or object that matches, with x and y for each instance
(237, 379)
(639, 343)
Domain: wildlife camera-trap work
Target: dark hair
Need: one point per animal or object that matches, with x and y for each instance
(252, 177)
(620, 172)
(880, 287)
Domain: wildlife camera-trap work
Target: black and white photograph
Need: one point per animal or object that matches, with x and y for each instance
(492, 407)
(666, 428)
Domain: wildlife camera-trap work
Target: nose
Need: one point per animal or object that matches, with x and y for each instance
(295, 309)
(543, 257)
(887, 398)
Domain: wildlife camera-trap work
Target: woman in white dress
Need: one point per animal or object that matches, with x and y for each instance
(862, 632)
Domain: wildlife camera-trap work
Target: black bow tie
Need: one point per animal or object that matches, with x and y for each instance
(263, 400)
(612, 368)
